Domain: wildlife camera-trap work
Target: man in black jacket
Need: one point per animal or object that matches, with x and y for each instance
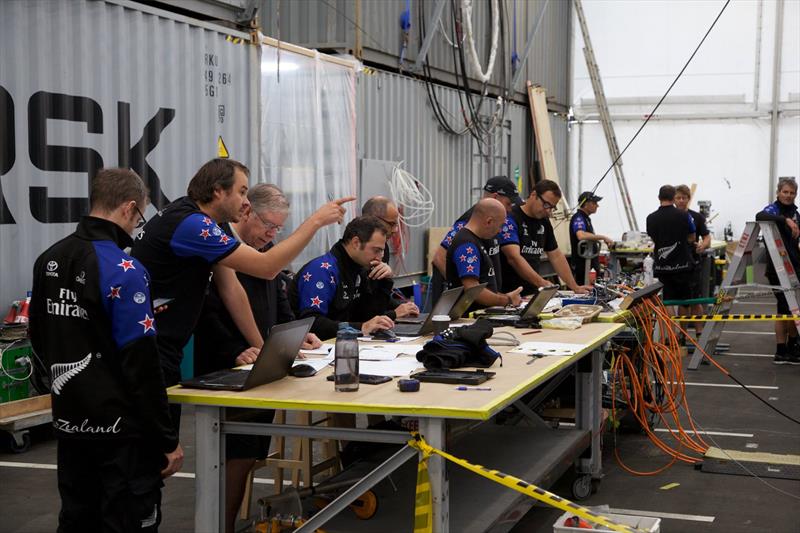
(92, 321)
(219, 344)
(783, 212)
(673, 234)
(330, 287)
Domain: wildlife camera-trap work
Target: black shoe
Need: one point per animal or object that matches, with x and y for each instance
(782, 359)
(794, 358)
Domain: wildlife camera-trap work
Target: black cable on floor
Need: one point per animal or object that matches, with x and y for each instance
(652, 113)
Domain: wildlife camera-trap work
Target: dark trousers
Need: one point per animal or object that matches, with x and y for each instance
(109, 486)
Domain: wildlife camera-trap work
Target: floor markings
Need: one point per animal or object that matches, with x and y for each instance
(713, 433)
(184, 475)
(728, 385)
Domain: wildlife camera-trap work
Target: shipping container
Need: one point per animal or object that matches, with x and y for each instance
(86, 84)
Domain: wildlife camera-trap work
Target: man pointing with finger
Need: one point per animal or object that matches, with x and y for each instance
(183, 245)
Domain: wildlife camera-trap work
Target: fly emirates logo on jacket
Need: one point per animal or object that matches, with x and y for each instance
(66, 305)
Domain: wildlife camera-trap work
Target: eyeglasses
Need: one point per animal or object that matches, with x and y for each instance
(142, 220)
(547, 205)
(395, 224)
(269, 226)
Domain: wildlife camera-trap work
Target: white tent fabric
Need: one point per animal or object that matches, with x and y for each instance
(308, 137)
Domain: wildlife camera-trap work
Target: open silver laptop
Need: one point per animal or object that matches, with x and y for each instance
(273, 363)
(530, 315)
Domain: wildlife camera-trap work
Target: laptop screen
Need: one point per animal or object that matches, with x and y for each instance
(536, 305)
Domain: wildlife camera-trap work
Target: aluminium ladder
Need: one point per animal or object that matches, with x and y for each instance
(605, 116)
(787, 277)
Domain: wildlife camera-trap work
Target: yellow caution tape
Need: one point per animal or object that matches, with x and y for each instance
(733, 318)
(423, 516)
(514, 483)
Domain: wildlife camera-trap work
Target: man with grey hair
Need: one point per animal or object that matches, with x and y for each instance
(220, 344)
(380, 274)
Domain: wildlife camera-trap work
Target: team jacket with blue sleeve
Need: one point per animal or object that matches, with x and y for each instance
(92, 321)
(179, 246)
(331, 288)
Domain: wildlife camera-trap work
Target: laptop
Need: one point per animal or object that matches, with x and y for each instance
(466, 300)
(273, 363)
(530, 315)
(447, 301)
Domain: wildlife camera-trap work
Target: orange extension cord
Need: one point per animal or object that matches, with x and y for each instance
(661, 364)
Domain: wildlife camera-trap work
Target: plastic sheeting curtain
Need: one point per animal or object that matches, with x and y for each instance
(308, 137)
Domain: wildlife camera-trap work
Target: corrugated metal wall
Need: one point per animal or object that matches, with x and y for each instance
(120, 83)
(395, 123)
(332, 24)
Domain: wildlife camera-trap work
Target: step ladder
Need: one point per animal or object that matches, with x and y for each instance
(734, 280)
(605, 116)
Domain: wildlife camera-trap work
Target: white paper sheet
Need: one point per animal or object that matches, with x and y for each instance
(400, 367)
(325, 349)
(399, 339)
(547, 348)
(317, 363)
(386, 352)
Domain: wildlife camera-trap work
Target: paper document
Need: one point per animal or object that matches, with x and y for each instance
(317, 363)
(547, 348)
(400, 367)
(325, 349)
(399, 339)
(386, 352)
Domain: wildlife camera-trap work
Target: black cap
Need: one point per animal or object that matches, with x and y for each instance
(503, 186)
(588, 196)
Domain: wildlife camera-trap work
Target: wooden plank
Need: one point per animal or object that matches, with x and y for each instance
(544, 137)
(545, 150)
(28, 405)
(435, 237)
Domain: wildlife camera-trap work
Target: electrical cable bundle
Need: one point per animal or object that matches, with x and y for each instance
(481, 128)
(414, 202)
(650, 381)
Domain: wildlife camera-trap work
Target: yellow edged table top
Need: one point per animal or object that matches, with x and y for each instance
(513, 379)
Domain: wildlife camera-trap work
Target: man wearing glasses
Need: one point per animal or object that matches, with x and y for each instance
(92, 321)
(380, 281)
(528, 236)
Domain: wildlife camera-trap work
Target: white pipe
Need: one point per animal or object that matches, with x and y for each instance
(757, 75)
(776, 93)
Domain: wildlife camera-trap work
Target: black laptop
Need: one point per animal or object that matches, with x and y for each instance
(530, 315)
(273, 363)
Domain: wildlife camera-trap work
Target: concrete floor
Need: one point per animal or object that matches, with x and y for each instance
(30, 500)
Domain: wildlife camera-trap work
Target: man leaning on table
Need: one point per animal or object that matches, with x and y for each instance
(468, 262)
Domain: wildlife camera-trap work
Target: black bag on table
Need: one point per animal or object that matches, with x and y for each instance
(460, 347)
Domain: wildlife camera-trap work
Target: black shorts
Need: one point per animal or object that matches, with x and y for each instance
(677, 285)
(696, 289)
(783, 305)
(109, 485)
(248, 446)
